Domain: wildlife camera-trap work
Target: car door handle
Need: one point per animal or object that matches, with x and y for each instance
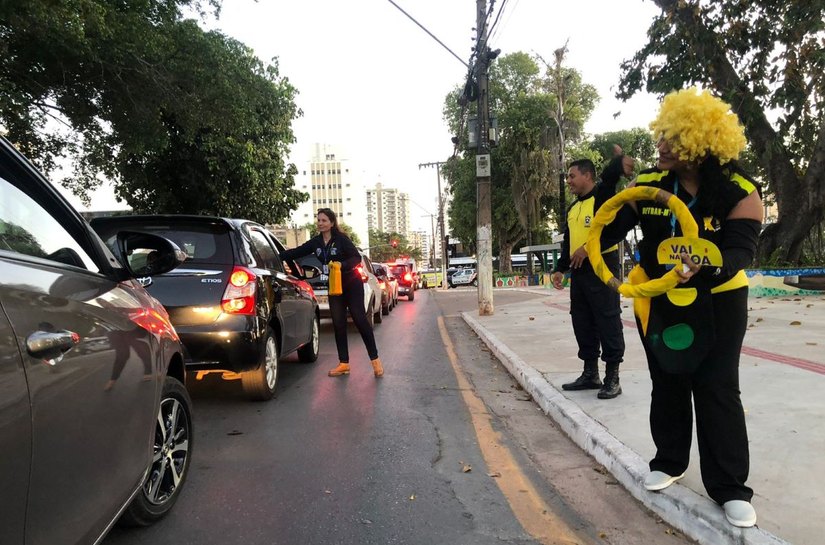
(50, 345)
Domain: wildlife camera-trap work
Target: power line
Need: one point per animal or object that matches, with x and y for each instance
(428, 32)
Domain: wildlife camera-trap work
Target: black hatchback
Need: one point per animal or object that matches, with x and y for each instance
(233, 303)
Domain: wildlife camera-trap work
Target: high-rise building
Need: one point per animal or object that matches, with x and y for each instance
(422, 240)
(332, 182)
(388, 210)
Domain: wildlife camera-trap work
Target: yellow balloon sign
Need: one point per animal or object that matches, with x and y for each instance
(702, 252)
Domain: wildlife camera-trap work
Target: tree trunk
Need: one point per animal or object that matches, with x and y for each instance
(799, 200)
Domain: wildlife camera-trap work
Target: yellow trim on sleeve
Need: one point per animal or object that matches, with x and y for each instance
(743, 182)
(739, 280)
(650, 177)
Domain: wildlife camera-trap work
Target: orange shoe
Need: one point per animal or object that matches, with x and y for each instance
(377, 367)
(342, 369)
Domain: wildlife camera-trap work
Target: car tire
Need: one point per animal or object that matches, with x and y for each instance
(172, 453)
(309, 352)
(385, 309)
(411, 295)
(259, 384)
(475, 282)
(378, 317)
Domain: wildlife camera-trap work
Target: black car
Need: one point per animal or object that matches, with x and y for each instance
(237, 310)
(94, 420)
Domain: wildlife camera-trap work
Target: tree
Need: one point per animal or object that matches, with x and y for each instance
(637, 143)
(759, 56)
(382, 249)
(346, 229)
(525, 170)
(179, 119)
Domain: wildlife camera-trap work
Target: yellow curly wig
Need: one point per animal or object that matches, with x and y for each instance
(696, 123)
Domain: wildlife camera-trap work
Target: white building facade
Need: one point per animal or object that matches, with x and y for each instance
(388, 210)
(332, 182)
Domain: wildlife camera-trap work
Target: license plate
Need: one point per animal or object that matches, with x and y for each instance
(322, 299)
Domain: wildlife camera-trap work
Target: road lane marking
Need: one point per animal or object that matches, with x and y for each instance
(532, 512)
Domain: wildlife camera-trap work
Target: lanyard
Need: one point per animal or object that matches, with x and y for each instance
(672, 215)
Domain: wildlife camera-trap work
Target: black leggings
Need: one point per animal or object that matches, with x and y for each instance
(352, 299)
(713, 390)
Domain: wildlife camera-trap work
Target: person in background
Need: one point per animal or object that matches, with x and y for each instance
(693, 346)
(333, 245)
(594, 308)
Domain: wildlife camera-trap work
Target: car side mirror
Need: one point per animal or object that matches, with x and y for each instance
(145, 254)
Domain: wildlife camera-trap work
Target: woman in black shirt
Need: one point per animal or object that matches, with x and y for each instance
(332, 245)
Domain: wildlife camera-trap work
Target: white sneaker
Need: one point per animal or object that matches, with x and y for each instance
(740, 513)
(657, 480)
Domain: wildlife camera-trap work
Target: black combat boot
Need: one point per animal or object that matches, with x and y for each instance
(589, 379)
(611, 387)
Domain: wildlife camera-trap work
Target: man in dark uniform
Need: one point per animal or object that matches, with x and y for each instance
(594, 308)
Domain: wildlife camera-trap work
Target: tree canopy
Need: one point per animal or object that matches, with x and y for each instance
(765, 58)
(525, 163)
(382, 249)
(179, 119)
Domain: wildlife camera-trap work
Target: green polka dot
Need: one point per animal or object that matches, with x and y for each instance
(678, 337)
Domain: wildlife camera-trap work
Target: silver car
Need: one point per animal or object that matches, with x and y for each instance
(95, 423)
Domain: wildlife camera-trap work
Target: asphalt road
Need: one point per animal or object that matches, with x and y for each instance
(445, 449)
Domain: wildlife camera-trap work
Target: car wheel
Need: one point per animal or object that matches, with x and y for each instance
(385, 309)
(309, 352)
(172, 453)
(371, 314)
(411, 295)
(378, 318)
(475, 282)
(259, 384)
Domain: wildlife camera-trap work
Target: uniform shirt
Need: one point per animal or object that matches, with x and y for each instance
(579, 219)
(656, 224)
(339, 248)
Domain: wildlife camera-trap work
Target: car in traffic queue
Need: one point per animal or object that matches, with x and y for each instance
(95, 423)
(237, 310)
(313, 273)
(464, 277)
(407, 283)
(389, 285)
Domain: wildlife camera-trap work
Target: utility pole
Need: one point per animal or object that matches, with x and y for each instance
(484, 238)
(437, 165)
(560, 97)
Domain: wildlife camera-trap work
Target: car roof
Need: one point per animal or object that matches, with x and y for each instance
(169, 219)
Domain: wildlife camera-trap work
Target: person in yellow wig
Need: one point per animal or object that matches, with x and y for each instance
(692, 346)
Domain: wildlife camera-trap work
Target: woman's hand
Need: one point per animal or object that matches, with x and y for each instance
(688, 269)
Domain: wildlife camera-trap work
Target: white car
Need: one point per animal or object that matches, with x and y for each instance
(464, 277)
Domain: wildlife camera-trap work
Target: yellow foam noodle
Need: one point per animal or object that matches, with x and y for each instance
(641, 305)
(607, 213)
(702, 252)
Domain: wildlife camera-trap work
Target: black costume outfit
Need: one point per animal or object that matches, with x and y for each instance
(340, 248)
(707, 371)
(594, 307)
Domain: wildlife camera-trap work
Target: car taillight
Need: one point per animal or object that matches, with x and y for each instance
(408, 277)
(364, 277)
(239, 296)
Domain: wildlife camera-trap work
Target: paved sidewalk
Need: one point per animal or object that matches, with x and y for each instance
(782, 377)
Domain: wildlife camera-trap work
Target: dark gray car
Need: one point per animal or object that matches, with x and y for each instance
(94, 418)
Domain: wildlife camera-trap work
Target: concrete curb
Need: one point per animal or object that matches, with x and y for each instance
(694, 515)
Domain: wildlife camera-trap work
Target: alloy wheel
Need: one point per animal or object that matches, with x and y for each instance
(170, 452)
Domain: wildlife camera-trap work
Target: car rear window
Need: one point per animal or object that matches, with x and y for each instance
(399, 270)
(205, 243)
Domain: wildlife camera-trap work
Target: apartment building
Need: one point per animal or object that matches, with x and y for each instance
(332, 181)
(388, 210)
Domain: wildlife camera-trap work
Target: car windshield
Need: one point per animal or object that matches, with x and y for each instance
(399, 270)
